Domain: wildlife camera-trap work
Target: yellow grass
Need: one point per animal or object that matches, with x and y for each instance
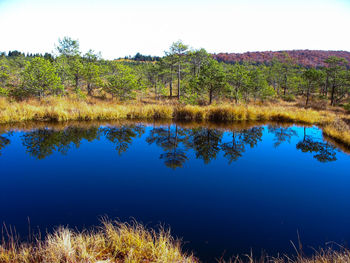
(68, 109)
(119, 242)
(114, 242)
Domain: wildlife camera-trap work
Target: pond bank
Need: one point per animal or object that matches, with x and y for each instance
(332, 124)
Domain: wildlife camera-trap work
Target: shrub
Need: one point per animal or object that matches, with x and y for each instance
(3, 92)
(347, 106)
(288, 97)
(39, 79)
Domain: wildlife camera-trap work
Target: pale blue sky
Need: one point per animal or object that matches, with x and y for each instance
(119, 28)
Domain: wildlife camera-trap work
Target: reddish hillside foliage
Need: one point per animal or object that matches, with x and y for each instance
(307, 58)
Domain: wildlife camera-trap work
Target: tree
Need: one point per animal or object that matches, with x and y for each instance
(312, 79)
(335, 76)
(4, 73)
(40, 79)
(169, 62)
(212, 78)
(122, 83)
(178, 50)
(153, 74)
(197, 58)
(91, 71)
(69, 49)
(237, 78)
(257, 85)
(4, 76)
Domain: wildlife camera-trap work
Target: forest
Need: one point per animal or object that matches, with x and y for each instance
(304, 58)
(188, 75)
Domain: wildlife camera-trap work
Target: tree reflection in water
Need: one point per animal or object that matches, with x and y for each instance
(4, 141)
(324, 152)
(122, 136)
(205, 142)
(281, 134)
(169, 140)
(44, 142)
(175, 142)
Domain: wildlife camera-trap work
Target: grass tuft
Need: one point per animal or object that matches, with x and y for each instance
(113, 242)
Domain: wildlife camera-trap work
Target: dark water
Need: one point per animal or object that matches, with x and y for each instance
(223, 191)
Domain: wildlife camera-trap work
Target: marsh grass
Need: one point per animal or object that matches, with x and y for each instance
(113, 242)
(329, 255)
(72, 109)
(117, 242)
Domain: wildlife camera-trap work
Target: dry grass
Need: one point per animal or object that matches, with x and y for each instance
(119, 242)
(114, 242)
(321, 256)
(69, 109)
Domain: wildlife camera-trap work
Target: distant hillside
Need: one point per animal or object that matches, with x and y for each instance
(306, 58)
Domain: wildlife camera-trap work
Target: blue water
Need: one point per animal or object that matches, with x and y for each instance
(223, 191)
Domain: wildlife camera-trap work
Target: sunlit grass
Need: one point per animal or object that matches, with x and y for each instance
(113, 242)
(120, 242)
(72, 109)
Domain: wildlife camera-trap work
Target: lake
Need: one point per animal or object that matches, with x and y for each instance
(223, 189)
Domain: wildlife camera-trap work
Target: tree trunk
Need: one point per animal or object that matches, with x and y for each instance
(171, 83)
(285, 85)
(76, 81)
(332, 94)
(307, 96)
(178, 81)
(326, 87)
(236, 95)
(155, 90)
(210, 96)
(89, 89)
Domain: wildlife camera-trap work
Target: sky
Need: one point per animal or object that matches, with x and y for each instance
(119, 28)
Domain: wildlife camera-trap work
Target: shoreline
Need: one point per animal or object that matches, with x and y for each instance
(55, 109)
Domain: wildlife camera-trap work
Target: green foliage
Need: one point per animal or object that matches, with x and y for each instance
(91, 71)
(4, 73)
(257, 85)
(3, 92)
(191, 75)
(238, 79)
(312, 78)
(178, 51)
(267, 92)
(68, 47)
(40, 79)
(347, 106)
(122, 83)
(288, 97)
(337, 78)
(212, 79)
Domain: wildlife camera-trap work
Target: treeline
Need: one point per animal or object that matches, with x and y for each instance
(191, 76)
(305, 58)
